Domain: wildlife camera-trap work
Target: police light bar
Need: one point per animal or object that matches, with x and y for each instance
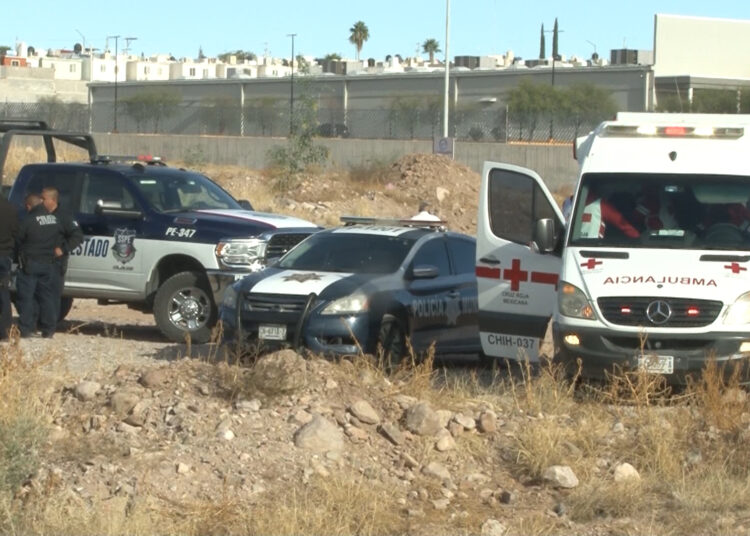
(672, 131)
(358, 220)
(142, 158)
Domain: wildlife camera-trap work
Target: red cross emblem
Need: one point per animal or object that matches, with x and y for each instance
(591, 264)
(515, 275)
(735, 267)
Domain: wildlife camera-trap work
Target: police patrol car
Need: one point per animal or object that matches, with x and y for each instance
(652, 271)
(161, 239)
(344, 290)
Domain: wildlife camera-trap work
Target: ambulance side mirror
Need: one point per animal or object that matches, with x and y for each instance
(545, 237)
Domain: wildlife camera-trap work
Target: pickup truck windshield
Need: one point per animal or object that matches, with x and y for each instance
(177, 193)
(354, 253)
(662, 211)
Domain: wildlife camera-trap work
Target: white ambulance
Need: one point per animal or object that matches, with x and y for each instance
(651, 271)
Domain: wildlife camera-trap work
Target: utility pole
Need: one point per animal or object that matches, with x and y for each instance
(555, 57)
(90, 78)
(116, 38)
(291, 100)
(446, 88)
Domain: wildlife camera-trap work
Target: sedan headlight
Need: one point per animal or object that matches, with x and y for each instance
(739, 312)
(574, 303)
(354, 303)
(230, 298)
(246, 253)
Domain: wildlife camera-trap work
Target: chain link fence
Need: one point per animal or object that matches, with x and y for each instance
(399, 121)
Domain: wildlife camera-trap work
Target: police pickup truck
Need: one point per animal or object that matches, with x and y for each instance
(161, 239)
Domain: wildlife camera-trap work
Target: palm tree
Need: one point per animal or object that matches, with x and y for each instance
(359, 34)
(431, 47)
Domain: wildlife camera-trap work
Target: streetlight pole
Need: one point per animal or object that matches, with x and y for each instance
(446, 88)
(116, 38)
(554, 59)
(291, 99)
(90, 78)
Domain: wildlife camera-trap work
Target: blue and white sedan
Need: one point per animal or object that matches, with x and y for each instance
(367, 286)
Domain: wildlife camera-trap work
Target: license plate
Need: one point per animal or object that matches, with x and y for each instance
(657, 364)
(510, 346)
(272, 332)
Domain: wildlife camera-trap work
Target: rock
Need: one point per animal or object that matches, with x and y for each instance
(492, 527)
(415, 512)
(626, 472)
(444, 416)
(248, 405)
(331, 384)
(409, 460)
(225, 433)
(464, 420)
(441, 504)
(182, 468)
(455, 429)
(506, 497)
(363, 411)
(357, 434)
(127, 428)
(618, 428)
(87, 390)
(422, 420)
(734, 395)
(319, 435)
(405, 401)
(139, 413)
(441, 193)
(487, 422)
(153, 378)
(436, 470)
(122, 402)
(281, 372)
(561, 476)
(301, 417)
(560, 509)
(445, 442)
(391, 433)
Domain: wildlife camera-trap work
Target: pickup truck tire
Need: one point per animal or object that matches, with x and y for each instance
(183, 305)
(66, 304)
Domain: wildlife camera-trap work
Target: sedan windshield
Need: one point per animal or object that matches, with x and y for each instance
(662, 211)
(354, 252)
(183, 191)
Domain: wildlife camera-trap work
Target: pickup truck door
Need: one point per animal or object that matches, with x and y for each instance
(517, 284)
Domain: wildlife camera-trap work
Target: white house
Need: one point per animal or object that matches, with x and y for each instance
(65, 68)
(187, 69)
(145, 69)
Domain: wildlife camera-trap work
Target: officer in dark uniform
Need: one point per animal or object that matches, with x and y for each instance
(37, 281)
(72, 236)
(8, 236)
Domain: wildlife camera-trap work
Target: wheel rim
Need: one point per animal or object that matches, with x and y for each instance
(189, 309)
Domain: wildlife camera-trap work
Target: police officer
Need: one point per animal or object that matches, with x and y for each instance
(72, 236)
(8, 235)
(39, 235)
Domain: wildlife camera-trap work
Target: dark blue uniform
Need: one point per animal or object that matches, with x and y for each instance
(8, 235)
(38, 279)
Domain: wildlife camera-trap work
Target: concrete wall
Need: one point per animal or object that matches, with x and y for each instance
(554, 163)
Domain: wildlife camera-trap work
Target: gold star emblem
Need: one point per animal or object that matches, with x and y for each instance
(301, 278)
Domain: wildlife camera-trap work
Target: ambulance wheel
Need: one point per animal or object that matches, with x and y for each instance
(183, 305)
(391, 342)
(66, 304)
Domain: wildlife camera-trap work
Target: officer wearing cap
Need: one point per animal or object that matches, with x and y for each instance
(39, 235)
(8, 235)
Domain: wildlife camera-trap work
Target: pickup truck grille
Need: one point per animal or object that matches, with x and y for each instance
(273, 303)
(280, 243)
(686, 313)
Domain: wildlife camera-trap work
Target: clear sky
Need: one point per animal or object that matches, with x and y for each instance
(478, 27)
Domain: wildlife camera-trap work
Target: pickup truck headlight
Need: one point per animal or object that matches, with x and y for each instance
(230, 298)
(573, 302)
(739, 312)
(354, 303)
(244, 253)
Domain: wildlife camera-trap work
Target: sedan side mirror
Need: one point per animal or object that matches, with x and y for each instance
(544, 235)
(425, 271)
(245, 204)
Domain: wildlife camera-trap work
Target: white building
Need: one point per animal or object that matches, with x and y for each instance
(146, 69)
(187, 69)
(65, 68)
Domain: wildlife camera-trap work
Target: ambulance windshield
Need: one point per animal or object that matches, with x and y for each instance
(662, 211)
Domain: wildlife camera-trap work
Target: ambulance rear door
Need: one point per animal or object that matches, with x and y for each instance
(517, 282)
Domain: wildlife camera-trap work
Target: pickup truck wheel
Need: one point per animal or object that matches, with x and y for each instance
(66, 304)
(183, 305)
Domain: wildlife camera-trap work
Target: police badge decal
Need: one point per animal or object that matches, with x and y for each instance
(124, 250)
